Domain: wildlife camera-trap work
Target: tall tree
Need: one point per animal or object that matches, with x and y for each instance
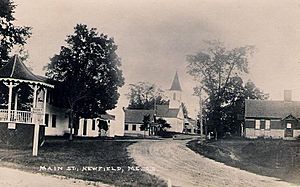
(144, 95)
(214, 68)
(10, 34)
(87, 74)
(233, 109)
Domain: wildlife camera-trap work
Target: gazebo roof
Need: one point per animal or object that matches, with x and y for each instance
(16, 70)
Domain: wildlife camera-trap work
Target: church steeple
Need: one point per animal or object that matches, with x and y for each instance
(176, 84)
(175, 93)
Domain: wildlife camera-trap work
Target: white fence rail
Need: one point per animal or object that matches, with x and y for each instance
(20, 116)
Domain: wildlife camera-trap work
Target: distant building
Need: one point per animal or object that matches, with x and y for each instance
(172, 113)
(91, 127)
(272, 119)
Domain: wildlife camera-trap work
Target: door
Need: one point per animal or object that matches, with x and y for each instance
(288, 130)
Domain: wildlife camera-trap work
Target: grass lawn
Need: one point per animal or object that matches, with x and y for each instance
(82, 154)
(275, 158)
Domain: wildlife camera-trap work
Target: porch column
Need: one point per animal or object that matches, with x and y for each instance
(35, 145)
(10, 86)
(45, 104)
(35, 88)
(16, 106)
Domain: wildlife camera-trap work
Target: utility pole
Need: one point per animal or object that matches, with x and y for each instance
(200, 113)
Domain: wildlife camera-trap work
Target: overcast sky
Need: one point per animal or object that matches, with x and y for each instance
(154, 36)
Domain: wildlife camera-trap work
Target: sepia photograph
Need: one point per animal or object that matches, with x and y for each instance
(149, 93)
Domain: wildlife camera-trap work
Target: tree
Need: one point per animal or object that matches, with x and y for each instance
(163, 124)
(10, 34)
(86, 74)
(143, 95)
(146, 123)
(214, 68)
(103, 125)
(233, 110)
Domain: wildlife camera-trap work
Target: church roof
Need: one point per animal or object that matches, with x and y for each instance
(176, 84)
(16, 69)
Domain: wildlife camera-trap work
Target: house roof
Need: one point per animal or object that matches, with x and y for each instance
(137, 116)
(176, 84)
(271, 109)
(15, 69)
(165, 111)
(107, 117)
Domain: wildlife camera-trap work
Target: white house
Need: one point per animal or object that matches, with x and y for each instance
(21, 120)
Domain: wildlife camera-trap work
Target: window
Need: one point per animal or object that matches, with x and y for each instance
(133, 127)
(53, 121)
(94, 124)
(257, 124)
(288, 125)
(46, 120)
(267, 124)
(126, 128)
(174, 96)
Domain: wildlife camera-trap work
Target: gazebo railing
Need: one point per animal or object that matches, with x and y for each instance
(16, 116)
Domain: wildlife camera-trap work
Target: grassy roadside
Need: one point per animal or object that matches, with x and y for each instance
(61, 156)
(275, 158)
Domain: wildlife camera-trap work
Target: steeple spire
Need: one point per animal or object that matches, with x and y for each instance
(176, 84)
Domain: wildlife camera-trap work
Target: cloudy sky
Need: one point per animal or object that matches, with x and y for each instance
(154, 36)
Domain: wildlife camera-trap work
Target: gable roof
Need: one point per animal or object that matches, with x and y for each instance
(16, 69)
(176, 84)
(165, 111)
(137, 116)
(271, 109)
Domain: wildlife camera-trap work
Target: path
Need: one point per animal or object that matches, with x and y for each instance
(16, 178)
(174, 162)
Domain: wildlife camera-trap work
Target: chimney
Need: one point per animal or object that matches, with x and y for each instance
(288, 95)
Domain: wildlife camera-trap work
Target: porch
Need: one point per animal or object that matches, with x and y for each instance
(18, 116)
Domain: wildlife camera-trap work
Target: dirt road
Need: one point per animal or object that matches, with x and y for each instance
(176, 163)
(16, 178)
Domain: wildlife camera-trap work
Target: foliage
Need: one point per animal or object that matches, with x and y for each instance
(10, 34)
(162, 124)
(103, 125)
(143, 95)
(233, 111)
(146, 123)
(219, 71)
(87, 73)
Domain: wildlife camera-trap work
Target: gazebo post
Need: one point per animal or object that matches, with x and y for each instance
(36, 125)
(10, 87)
(16, 105)
(45, 105)
(35, 88)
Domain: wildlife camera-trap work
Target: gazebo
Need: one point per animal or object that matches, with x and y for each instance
(22, 121)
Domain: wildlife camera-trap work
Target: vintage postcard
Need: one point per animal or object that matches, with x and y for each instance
(185, 93)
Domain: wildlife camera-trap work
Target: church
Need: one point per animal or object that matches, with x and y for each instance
(172, 112)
